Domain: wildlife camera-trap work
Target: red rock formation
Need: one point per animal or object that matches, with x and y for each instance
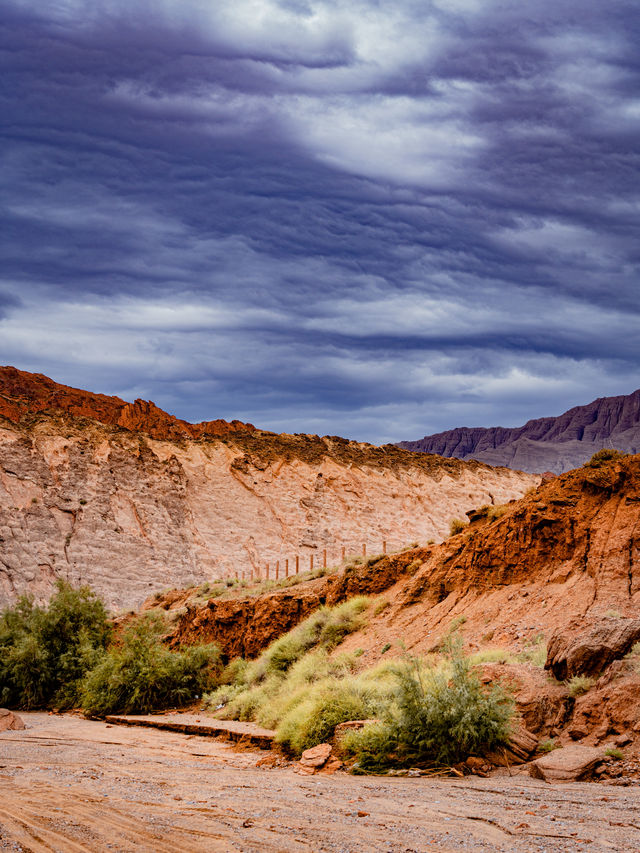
(24, 394)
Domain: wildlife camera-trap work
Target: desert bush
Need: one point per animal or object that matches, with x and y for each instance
(601, 457)
(380, 606)
(143, 674)
(579, 685)
(439, 716)
(534, 652)
(456, 525)
(45, 651)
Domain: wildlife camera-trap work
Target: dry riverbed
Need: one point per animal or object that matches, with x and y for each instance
(77, 786)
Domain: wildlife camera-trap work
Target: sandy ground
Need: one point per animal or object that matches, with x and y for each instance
(68, 784)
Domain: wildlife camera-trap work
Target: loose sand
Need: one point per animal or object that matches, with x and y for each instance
(68, 784)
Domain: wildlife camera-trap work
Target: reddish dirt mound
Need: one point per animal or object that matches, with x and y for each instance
(24, 393)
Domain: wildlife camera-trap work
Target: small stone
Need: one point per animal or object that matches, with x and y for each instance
(363, 814)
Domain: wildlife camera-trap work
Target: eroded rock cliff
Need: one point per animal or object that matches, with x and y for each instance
(130, 500)
(545, 444)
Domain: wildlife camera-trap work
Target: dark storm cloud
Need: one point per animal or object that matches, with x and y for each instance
(323, 216)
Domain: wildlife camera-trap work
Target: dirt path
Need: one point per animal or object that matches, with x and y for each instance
(75, 786)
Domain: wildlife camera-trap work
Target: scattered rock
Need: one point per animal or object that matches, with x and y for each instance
(313, 759)
(590, 652)
(10, 721)
(570, 764)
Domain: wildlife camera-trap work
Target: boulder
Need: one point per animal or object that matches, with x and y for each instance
(569, 764)
(313, 759)
(10, 721)
(589, 652)
(518, 749)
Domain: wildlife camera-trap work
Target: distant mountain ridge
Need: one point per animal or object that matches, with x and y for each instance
(545, 444)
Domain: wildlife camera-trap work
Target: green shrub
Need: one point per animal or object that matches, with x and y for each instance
(579, 685)
(456, 525)
(491, 656)
(534, 653)
(616, 754)
(144, 675)
(440, 717)
(548, 745)
(385, 648)
(601, 457)
(45, 651)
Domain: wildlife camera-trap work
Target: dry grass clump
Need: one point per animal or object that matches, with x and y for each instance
(579, 685)
(456, 525)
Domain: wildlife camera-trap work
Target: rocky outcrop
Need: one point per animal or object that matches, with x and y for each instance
(589, 652)
(10, 722)
(553, 444)
(571, 764)
(131, 500)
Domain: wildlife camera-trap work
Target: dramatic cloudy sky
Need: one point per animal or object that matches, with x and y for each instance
(376, 219)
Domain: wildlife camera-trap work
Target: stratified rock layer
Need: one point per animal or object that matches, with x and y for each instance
(546, 444)
(131, 500)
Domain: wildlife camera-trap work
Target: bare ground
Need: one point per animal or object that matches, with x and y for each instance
(68, 784)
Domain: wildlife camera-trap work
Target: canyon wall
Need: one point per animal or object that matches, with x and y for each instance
(87, 499)
(545, 444)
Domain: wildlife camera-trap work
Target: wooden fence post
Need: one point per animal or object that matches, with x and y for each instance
(277, 569)
(364, 549)
(384, 546)
(311, 562)
(267, 571)
(324, 559)
(297, 563)
(286, 568)
(344, 551)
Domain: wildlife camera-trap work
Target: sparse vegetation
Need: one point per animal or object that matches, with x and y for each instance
(613, 614)
(380, 606)
(579, 685)
(495, 512)
(602, 457)
(494, 655)
(385, 648)
(456, 525)
(548, 745)
(613, 752)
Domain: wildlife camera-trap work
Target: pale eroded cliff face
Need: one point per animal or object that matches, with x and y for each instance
(130, 514)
